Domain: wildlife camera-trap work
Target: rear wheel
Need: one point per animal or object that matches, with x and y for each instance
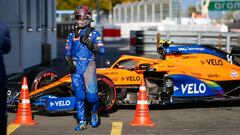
(106, 93)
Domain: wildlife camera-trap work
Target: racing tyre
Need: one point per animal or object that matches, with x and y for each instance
(42, 77)
(106, 93)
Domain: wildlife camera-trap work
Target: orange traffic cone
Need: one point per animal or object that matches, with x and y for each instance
(142, 115)
(24, 112)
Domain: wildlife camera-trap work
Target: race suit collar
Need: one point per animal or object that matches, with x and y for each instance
(85, 28)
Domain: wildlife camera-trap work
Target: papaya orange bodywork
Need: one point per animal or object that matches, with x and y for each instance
(202, 66)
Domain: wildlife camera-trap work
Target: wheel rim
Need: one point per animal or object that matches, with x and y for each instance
(104, 94)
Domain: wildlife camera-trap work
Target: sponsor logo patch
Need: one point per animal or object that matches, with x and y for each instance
(133, 78)
(75, 39)
(189, 57)
(214, 62)
(213, 75)
(190, 49)
(60, 103)
(193, 88)
(100, 44)
(202, 62)
(234, 74)
(67, 47)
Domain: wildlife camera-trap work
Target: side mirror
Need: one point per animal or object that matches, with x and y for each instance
(107, 63)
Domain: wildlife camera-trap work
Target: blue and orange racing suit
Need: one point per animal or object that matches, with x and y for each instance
(84, 81)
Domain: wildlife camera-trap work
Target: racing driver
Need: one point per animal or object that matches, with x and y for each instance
(80, 50)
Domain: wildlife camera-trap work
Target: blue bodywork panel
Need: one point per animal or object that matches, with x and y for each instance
(42, 101)
(191, 49)
(59, 104)
(188, 86)
(53, 103)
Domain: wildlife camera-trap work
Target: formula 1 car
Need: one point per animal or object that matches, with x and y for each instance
(185, 73)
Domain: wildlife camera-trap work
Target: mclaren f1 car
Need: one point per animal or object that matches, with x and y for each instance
(184, 73)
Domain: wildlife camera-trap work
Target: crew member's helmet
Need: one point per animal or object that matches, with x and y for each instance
(82, 16)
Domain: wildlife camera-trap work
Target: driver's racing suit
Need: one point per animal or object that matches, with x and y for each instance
(84, 82)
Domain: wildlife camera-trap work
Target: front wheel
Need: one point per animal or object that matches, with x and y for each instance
(42, 77)
(106, 93)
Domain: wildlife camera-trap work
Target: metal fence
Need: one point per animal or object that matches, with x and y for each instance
(146, 40)
(147, 11)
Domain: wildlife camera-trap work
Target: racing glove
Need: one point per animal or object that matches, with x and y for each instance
(87, 42)
(71, 66)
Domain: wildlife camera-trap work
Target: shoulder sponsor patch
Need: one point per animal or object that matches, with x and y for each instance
(75, 39)
(67, 47)
(100, 44)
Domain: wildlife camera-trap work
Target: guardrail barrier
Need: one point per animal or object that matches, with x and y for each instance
(145, 40)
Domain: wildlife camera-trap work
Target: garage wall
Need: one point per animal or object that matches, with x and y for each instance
(10, 13)
(32, 24)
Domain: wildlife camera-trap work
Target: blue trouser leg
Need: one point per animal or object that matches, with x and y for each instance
(92, 99)
(80, 111)
(90, 79)
(93, 102)
(78, 87)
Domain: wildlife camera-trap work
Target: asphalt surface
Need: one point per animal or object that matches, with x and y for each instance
(199, 119)
(218, 118)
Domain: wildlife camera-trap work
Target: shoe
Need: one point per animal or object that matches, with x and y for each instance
(94, 120)
(81, 126)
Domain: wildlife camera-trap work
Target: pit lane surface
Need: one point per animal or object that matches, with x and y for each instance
(219, 118)
(200, 119)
